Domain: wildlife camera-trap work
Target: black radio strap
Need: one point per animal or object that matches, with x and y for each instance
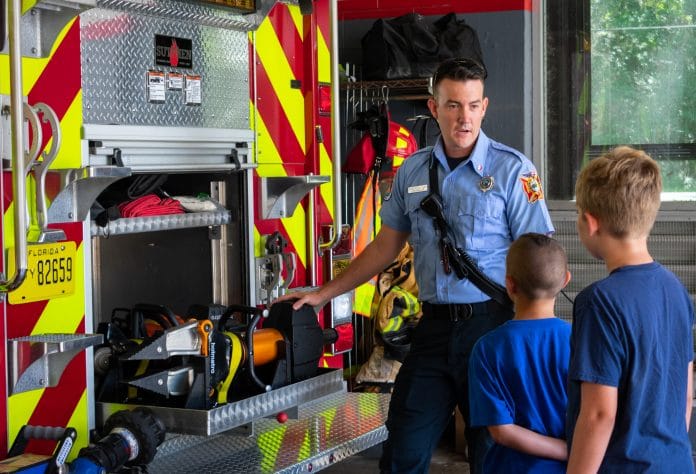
(470, 270)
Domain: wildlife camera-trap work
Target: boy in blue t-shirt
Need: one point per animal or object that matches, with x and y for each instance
(630, 376)
(518, 372)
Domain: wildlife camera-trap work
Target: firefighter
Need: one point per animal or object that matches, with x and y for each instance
(489, 195)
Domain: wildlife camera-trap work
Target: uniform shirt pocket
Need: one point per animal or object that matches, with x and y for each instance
(417, 218)
(482, 221)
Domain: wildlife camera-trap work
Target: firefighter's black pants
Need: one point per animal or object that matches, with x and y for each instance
(432, 380)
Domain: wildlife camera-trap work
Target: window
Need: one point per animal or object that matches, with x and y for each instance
(621, 72)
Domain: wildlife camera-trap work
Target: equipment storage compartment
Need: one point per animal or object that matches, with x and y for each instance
(176, 260)
(169, 292)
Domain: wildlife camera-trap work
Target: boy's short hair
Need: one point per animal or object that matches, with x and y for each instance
(538, 265)
(622, 190)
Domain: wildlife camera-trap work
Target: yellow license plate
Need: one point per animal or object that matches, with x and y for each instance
(50, 272)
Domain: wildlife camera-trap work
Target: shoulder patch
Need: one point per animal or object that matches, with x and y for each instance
(531, 185)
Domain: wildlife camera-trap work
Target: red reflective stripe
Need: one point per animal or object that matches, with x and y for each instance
(277, 121)
(279, 129)
(323, 214)
(268, 226)
(73, 231)
(324, 24)
(7, 195)
(22, 318)
(289, 38)
(60, 80)
(362, 9)
(66, 394)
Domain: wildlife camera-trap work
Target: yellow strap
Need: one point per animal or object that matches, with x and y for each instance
(235, 360)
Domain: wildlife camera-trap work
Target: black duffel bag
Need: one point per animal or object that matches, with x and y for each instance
(457, 39)
(409, 46)
(386, 53)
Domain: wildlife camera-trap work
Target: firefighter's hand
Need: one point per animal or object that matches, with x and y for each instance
(312, 298)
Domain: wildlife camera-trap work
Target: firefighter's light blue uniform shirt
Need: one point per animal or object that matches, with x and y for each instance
(489, 200)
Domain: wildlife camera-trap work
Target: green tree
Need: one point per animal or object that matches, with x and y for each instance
(644, 79)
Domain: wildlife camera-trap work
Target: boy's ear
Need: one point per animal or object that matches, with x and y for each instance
(592, 223)
(567, 279)
(510, 285)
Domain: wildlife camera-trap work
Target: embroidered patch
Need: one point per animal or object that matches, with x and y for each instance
(532, 187)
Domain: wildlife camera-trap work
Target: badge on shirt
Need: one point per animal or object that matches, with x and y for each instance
(486, 183)
(531, 184)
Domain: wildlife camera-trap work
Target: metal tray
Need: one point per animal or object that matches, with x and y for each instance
(288, 399)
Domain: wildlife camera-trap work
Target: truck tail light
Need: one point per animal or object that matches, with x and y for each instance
(324, 99)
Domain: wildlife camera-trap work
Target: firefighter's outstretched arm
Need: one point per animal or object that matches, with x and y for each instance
(376, 256)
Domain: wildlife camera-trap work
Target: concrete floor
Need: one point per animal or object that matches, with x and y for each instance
(445, 460)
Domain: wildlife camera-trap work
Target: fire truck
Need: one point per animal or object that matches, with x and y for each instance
(148, 337)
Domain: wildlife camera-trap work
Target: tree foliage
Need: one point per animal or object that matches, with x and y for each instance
(644, 78)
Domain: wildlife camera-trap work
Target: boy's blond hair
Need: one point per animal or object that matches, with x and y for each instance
(622, 190)
(538, 265)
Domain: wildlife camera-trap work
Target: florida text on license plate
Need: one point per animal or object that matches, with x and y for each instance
(51, 271)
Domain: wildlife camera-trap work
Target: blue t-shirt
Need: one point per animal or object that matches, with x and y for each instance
(633, 330)
(518, 375)
(489, 200)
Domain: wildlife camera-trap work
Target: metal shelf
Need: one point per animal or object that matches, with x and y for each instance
(393, 89)
(38, 361)
(290, 399)
(281, 195)
(134, 225)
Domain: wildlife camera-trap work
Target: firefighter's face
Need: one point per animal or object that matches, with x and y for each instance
(459, 108)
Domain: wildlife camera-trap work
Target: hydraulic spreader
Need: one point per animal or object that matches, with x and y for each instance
(153, 357)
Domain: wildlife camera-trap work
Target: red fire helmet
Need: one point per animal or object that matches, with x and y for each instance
(400, 145)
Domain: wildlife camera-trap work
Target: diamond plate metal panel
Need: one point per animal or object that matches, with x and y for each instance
(332, 430)
(202, 13)
(157, 223)
(245, 411)
(117, 51)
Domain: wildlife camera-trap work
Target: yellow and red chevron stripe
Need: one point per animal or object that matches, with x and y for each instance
(55, 81)
(323, 42)
(284, 117)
